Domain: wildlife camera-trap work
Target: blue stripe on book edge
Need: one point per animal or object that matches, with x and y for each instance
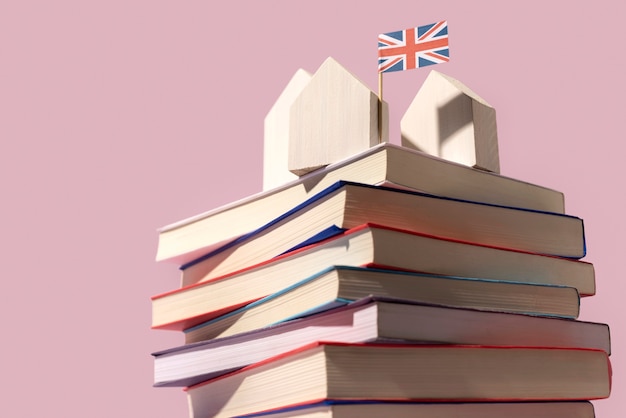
(342, 183)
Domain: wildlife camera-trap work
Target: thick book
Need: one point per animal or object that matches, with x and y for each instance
(387, 372)
(345, 205)
(374, 320)
(339, 285)
(376, 409)
(386, 163)
(368, 246)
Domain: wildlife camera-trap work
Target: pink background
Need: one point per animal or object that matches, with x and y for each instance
(118, 117)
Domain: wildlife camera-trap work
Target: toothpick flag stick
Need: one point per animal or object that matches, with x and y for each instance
(380, 107)
(408, 49)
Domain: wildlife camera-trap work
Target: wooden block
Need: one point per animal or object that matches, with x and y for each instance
(449, 120)
(276, 134)
(334, 117)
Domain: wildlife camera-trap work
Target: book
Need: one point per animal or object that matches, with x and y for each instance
(344, 205)
(339, 285)
(374, 320)
(364, 409)
(384, 164)
(367, 246)
(433, 373)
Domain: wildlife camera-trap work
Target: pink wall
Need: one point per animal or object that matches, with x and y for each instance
(118, 117)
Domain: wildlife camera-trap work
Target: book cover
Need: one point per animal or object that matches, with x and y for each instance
(386, 163)
(344, 205)
(374, 319)
(340, 285)
(429, 373)
(367, 245)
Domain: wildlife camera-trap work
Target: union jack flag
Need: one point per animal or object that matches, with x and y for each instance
(413, 48)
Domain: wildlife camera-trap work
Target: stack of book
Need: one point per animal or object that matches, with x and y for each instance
(390, 283)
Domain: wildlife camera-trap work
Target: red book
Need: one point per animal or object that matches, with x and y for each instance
(388, 372)
(374, 320)
(367, 245)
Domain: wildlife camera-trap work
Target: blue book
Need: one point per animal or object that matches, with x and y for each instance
(345, 205)
(339, 285)
(384, 164)
(367, 245)
(378, 409)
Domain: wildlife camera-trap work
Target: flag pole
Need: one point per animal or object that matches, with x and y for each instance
(380, 107)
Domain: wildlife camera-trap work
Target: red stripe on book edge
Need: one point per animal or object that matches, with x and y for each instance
(182, 324)
(268, 261)
(259, 363)
(409, 346)
(192, 321)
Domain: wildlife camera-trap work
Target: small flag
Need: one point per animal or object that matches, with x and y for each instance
(413, 48)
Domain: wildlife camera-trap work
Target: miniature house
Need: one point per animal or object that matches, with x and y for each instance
(333, 117)
(450, 121)
(276, 133)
